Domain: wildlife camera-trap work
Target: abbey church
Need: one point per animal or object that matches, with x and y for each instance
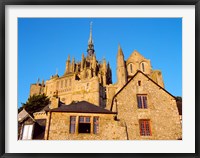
(86, 105)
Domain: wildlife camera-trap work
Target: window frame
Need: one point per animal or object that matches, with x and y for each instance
(131, 68)
(27, 131)
(85, 122)
(72, 123)
(146, 131)
(142, 99)
(143, 68)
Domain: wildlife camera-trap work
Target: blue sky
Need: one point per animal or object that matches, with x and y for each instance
(45, 43)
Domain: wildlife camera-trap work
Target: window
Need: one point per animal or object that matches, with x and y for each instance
(72, 124)
(57, 84)
(131, 68)
(84, 125)
(27, 132)
(61, 85)
(145, 128)
(143, 67)
(70, 82)
(96, 125)
(139, 83)
(66, 83)
(142, 101)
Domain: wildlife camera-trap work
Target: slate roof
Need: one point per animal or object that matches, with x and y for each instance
(23, 115)
(80, 107)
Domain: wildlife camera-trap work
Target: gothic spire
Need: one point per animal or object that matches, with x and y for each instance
(120, 52)
(90, 41)
(90, 48)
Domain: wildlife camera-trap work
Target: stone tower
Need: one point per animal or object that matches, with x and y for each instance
(121, 69)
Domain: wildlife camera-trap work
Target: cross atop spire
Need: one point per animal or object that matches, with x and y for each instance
(90, 48)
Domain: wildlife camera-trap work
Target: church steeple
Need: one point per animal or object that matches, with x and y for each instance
(90, 48)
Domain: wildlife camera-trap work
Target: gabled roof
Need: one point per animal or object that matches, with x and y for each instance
(135, 53)
(132, 79)
(23, 115)
(80, 107)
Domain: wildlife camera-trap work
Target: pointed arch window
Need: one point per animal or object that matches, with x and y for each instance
(131, 68)
(143, 68)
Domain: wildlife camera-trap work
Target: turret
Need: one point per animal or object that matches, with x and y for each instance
(121, 69)
(82, 62)
(109, 74)
(94, 65)
(67, 70)
(73, 65)
(104, 69)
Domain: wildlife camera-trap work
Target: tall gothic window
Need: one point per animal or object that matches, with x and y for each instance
(143, 69)
(70, 82)
(131, 68)
(57, 84)
(65, 82)
(61, 85)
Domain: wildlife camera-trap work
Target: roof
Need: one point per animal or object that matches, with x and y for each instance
(132, 79)
(23, 115)
(80, 107)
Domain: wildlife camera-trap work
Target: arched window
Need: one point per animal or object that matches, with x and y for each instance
(131, 68)
(143, 67)
(65, 82)
(57, 85)
(70, 82)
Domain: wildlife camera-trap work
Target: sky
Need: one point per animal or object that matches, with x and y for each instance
(45, 43)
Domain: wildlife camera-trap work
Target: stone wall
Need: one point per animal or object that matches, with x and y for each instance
(162, 110)
(59, 127)
(69, 89)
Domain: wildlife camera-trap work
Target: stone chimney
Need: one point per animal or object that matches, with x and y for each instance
(54, 102)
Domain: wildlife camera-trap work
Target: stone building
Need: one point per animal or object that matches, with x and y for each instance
(29, 127)
(85, 105)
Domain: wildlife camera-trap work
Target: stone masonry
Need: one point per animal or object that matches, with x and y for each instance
(91, 80)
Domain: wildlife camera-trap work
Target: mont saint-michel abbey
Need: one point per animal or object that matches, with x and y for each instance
(86, 105)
